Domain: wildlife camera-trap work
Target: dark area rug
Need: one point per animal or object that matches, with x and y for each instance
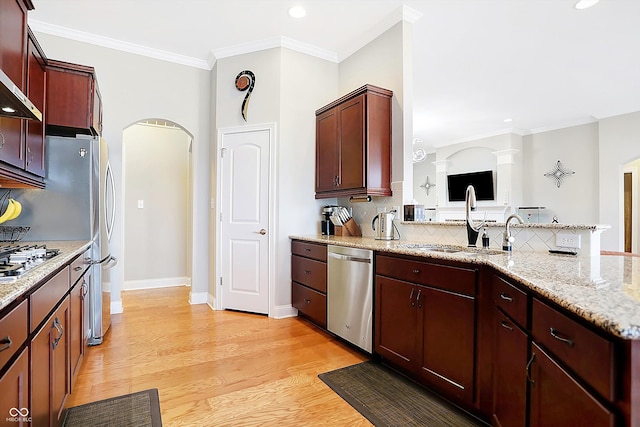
(140, 409)
(386, 398)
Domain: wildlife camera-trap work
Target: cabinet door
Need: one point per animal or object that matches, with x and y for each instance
(558, 400)
(50, 369)
(36, 91)
(327, 151)
(352, 151)
(448, 330)
(69, 102)
(509, 375)
(14, 397)
(13, 48)
(396, 321)
(76, 326)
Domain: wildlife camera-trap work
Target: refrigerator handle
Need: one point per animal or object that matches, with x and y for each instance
(112, 219)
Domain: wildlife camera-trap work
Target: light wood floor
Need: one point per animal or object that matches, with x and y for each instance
(217, 368)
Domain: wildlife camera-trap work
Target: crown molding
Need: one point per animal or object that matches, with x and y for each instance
(110, 43)
(274, 42)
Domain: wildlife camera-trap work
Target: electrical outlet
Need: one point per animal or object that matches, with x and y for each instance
(566, 240)
(397, 209)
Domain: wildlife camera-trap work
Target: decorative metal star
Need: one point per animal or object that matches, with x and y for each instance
(427, 185)
(559, 173)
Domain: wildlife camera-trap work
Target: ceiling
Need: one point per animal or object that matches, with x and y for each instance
(540, 63)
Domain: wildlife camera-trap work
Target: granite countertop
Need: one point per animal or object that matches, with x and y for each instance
(515, 224)
(604, 290)
(9, 292)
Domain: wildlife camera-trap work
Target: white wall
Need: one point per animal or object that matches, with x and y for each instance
(133, 88)
(576, 200)
(619, 143)
(156, 161)
(289, 88)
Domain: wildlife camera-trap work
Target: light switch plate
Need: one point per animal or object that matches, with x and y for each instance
(140, 204)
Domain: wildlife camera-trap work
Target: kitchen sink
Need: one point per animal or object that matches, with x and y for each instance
(449, 249)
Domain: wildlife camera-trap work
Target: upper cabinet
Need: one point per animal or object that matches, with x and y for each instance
(21, 59)
(353, 145)
(74, 104)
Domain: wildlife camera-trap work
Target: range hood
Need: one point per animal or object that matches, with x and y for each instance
(14, 103)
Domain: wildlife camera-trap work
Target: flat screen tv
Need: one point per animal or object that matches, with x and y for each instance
(482, 182)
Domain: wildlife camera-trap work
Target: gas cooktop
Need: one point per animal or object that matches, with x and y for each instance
(17, 259)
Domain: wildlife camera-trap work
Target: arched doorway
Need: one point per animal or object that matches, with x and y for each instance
(157, 200)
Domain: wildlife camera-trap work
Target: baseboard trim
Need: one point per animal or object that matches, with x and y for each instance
(284, 311)
(198, 297)
(116, 307)
(167, 282)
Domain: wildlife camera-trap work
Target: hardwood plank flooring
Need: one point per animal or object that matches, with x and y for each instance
(217, 368)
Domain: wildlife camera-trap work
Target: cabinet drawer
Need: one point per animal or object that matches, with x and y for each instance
(13, 332)
(511, 300)
(310, 303)
(77, 268)
(585, 352)
(316, 251)
(309, 272)
(454, 279)
(47, 297)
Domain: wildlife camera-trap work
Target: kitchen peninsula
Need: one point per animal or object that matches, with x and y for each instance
(553, 339)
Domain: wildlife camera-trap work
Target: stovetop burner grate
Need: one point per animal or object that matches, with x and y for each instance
(17, 259)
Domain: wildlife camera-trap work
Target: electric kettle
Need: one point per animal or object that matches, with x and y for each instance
(385, 225)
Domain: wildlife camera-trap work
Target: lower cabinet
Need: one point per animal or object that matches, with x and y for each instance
(77, 308)
(511, 347)
(557, 399)
(50, 373)
(309, 281)
(14, 395)
(428, 331)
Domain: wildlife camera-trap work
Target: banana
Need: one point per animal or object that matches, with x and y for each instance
(8, 212)
(17, 211)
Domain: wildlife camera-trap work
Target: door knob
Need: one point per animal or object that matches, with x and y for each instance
(262, 231)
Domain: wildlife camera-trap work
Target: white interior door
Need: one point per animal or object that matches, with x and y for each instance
(244, 220)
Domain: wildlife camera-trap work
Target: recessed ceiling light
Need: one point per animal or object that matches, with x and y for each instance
(508, 120)
(583, 4)
(297, 12)
(8, 110)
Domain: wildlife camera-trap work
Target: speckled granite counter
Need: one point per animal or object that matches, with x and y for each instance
(604, 290)
(68, 250)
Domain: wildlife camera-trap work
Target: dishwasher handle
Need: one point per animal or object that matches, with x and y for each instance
(349, 258)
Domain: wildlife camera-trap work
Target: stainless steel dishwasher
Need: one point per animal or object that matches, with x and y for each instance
(350, 294)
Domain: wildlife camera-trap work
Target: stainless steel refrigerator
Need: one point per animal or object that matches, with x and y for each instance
(78, 203)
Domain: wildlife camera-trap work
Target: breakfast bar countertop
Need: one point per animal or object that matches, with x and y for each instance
(9, 292)
(602, 289)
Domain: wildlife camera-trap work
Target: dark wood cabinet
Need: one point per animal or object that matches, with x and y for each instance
(34, 161)
(14, 384)
(557, 399)
(396, 321)
(74, 104)
(77, 336)
(511, 346)
(427, 330)
(50, 373)
(353, 144)
(309, 281)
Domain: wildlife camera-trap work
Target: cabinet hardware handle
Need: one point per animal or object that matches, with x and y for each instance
(7, 343)
(413, 303)
(58, 326)
(1, 141)
(307, 272)
(416, 271)
(506, 297)
(418, 298)
(85, 289)
(533, 356)
(307, 249)
(308, 301)
(30, 156)
(506, 325)
(554, 333)
(77, 268)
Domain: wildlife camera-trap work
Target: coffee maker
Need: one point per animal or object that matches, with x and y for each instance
(326, 224)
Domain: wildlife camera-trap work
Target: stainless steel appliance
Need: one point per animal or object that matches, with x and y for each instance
(18, 258)
(326, 224)
(385, 225)
(350, 294)
(14, 103)
(77, 204)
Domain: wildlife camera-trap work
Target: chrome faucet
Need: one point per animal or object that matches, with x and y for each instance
(507, 237)
(470, 205)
